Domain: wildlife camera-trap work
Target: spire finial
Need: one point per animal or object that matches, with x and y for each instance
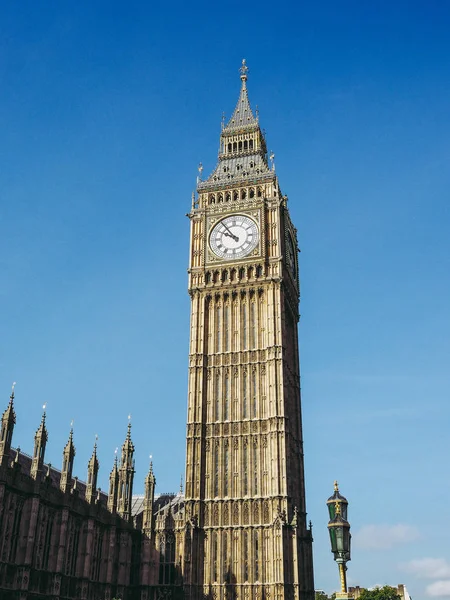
(338, 507)
(12, 390)
(44, 412)
(336, 487)
(243, 71)
(181, 484)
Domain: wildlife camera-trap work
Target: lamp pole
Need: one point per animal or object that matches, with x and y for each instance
(339, 530)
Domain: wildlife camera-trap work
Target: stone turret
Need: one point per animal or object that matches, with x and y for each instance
(113, 487)
(40, 442)
(126, 476)
(67, 466)
(6, 431)
(92, 474)
(149, 497)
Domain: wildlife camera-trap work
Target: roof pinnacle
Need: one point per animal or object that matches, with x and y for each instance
(9, 413)
(243, 71)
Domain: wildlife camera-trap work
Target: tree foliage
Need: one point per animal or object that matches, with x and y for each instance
(382, 593)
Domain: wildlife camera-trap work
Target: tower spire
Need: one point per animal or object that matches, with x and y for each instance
(113, 485)
(126, 475)
(40, 442)
(6, 430)
(243, 151)
(150, 483)
(93, 466)
(243, 115)
(67, 466)
(243, 71)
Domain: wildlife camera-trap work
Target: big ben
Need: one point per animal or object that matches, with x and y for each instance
(246, 535)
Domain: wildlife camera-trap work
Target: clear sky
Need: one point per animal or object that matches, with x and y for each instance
(106, 109)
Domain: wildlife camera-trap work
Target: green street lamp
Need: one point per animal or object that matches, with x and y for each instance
(339, 530)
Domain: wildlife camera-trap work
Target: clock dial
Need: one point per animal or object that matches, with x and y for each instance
(234, 237)
(290, 255)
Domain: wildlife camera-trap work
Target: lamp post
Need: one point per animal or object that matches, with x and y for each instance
(339, 530)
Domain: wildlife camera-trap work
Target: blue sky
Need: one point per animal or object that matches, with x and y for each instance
(106, 109)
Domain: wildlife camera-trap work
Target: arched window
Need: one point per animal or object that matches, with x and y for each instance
(259, 194)
(216, 471)
(229, 147)
(208, 277)
(244, 326)
(245, 556)
(220, 198)
(214, 557)
(212, 199)
(226, 328)
(253, 393)
(245, 469)
(245, 145)
(252, 192)
(226, 469)
(240, 145)
(244, 395)
(256, 553)
(243, 195)
(226, 408)
(218, 327)
(250, 144)
(217, 400)
(234, 147)
(255, 469)
(235, 196)
(228, 197)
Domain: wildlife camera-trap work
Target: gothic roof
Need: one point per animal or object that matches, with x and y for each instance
(243, 162)
(242, 115)
(238, 169)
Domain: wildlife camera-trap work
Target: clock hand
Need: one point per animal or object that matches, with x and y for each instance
(230, 234)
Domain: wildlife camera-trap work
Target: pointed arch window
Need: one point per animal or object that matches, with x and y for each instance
(245, 395)
(216, 471)
(226, 327)
(226, 469)
(254, 393)
(245, 469)
(218, 327)
(252, 325)
(255, 469)
(244, 326)
(217, 397)
(256, 553)
(245, 555)
(226, 411)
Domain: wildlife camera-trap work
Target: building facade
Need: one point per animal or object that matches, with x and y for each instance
(239, 532)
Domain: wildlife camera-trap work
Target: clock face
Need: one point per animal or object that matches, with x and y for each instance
(234, 237)
(290, 255)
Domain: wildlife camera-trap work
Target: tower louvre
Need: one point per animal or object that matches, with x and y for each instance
(245, 509)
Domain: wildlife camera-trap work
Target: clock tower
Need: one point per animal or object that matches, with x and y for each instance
(246, 534)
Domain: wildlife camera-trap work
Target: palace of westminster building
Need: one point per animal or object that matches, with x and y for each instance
(239, 531)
